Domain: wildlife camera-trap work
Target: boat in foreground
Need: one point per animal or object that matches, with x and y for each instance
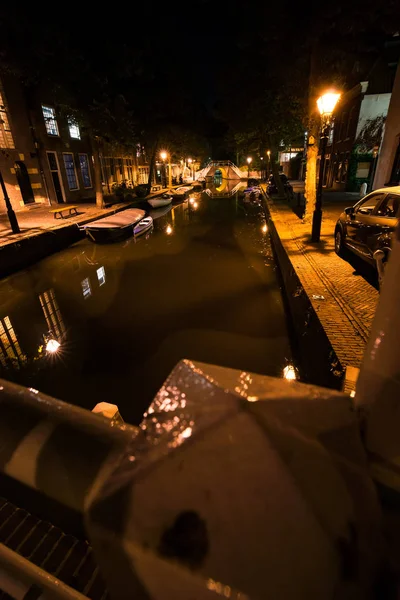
(143, 226)
(163, 200)
(114, 228)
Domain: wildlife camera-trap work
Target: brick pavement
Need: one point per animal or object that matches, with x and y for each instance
(349, 303)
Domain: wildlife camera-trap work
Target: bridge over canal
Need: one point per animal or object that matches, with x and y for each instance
(226, 168)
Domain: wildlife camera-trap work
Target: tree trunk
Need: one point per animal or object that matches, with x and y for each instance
(97, 173)
(152, 167)
(313, 132)
(311, 180)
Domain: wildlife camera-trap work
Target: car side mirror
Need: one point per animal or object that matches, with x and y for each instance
(349, 210)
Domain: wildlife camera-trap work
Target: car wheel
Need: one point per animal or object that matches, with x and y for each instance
(340, 247)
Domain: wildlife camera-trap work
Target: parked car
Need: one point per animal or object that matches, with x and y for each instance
(368, 226)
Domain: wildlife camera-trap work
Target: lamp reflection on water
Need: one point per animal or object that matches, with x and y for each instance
(168, 230)
(52, 346)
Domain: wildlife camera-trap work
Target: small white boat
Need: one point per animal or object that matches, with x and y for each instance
(183, 189)
(114, 228)
(160, 201)
(156, 213)
(144, 225)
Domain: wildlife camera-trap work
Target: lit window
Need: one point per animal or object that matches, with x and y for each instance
(74, 129)
(84, 163)
(49, 115)
(101, 275)
(70, 171)
(6, 138)
(86, 289)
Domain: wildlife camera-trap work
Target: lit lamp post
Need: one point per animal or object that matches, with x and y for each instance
(10, 213)
(163, 156)
(249, 159)
(191, 163)
(262, 167)
(269, 162)
(326, 106)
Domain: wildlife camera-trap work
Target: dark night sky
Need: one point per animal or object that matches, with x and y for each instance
(200, 55)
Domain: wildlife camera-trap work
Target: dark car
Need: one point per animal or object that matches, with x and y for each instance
(271, 186)
(368, 225)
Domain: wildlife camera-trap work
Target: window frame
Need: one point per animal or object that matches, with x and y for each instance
(85, 187)
(66, 173)
(72, 123)
(47, 119)
(5, 125)
(385, 201)
(367, 199)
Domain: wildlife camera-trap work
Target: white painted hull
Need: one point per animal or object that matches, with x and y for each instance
(158, 202)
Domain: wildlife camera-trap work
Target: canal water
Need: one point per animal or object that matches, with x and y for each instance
(202, 285)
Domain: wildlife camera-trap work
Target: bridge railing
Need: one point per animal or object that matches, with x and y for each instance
(220, 163)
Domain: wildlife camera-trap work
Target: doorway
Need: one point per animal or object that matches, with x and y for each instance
(56, 176)
(24, 182)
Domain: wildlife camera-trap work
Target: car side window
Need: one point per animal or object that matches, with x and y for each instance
(369, 203)
(389, 207)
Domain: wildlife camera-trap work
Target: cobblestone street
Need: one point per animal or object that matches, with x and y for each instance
(344, 294)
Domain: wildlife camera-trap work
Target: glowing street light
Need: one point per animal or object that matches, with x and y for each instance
(191, 163)
(269, 161)
(52, 346)
(169, 230)
(249, 159)
(326, 105)
(289, 373)
(164, 155)
(264, 228)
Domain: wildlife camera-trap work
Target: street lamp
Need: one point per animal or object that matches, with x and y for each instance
(249, 159)
(163, 156)
(269, 162)
(10, 213)
(326, 105)
(191, 162)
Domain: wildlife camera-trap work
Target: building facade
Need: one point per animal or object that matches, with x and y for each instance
(19, 162)
(388, 164)
(46, 158)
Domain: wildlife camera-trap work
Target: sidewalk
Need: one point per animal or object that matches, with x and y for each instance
(348, 301)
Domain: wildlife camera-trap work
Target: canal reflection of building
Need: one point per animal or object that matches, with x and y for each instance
(27, 319)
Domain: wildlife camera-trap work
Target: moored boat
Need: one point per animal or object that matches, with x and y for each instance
(163, 200)
(184, 189)
(114, 228)
(143, 226)
(156, 213)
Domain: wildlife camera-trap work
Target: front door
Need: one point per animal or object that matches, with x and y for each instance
(56, 176)
(24, 182)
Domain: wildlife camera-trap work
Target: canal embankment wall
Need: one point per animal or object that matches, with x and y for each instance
(313, 352)
(331, 304)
